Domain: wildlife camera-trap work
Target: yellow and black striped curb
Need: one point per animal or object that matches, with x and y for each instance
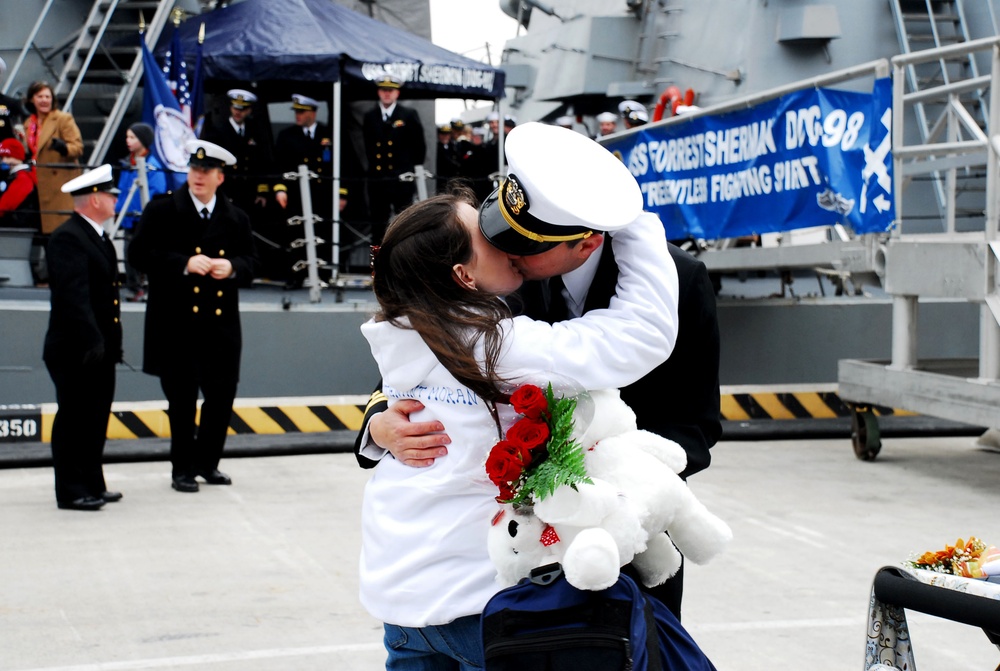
(27, 423)
(33, 423)
(740, 404)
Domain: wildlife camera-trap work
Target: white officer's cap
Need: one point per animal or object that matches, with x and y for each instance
(637, 117)
(561, 186)
(388, 81)
(98, 179)
(301, 102)
(240, 98)
(626, 106)
(208, 154)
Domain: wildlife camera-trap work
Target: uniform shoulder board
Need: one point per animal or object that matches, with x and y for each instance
(160, 196)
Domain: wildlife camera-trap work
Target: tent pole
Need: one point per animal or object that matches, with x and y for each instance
(335, 119)
(500, 138)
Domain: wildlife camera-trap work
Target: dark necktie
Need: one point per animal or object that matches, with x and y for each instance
(205, 214)
(241, 131)
(308, 134)
(555, 308)
(109, 246)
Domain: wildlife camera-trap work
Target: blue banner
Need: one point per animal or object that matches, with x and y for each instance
(161, 110)
(810, 158)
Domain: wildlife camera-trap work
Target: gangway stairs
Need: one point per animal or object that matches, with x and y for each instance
(98, 68)
(930, 25)
(951, 264)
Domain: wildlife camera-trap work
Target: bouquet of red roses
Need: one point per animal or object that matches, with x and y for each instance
(537, 454)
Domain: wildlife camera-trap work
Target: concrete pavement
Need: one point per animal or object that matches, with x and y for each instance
(262, 575)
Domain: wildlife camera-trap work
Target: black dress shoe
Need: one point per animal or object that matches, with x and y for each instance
(82, 503)
(184, 483)
(216, 477)
(111, 497)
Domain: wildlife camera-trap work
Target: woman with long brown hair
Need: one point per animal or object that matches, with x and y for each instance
(55, 142)
(444, 336)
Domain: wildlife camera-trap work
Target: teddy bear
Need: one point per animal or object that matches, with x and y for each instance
(593, 529)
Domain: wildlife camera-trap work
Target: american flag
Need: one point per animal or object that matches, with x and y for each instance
(175, 70)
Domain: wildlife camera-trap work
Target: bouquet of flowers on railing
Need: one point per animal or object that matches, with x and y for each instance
(969, 559)
(538, 453)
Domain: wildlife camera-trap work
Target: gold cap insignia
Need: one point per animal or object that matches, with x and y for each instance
(513, 195)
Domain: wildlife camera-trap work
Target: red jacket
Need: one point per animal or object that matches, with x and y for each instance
(19, 201)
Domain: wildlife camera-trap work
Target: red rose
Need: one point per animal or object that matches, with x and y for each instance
(505, 463)
(528, 433)
(530, 401)
(507, 494)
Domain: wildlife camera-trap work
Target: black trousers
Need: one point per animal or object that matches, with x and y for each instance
(386, 198)
(84, 393)
(194, 450)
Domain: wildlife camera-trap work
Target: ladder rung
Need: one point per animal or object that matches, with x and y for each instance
(99, 74)
(940, 18)
(95, 94)
(88, 119)
(945, 39)
(139, 4)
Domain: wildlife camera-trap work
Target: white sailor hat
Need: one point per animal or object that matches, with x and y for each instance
(240, 98)
(208, 154)
(637, 117)
(566, 121)
(493, 116)
(626, 106)
(479, 130)
(607, 117)
(388, 81)
(301, 102)
(98, 179)
(538, 205)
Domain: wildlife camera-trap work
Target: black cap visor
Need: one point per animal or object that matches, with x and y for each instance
(497, 229)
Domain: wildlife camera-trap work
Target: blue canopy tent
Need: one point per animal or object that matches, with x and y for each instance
(321, 41)
(298, 45)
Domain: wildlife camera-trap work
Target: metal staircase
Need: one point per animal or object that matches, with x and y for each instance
(98, 68)
(932, 24)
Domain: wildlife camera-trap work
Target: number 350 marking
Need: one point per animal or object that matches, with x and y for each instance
(16, 428)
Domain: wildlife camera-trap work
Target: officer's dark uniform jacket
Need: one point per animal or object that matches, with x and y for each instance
(254, 159)
(394, 146)
(192, 321)
(292, 149)
(86, 306)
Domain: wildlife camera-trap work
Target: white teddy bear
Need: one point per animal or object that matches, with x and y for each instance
(595, 529)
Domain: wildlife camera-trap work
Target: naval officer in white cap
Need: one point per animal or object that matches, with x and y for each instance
(395, 144)
(84, 340)
(239, 133)
(569, 269)
(309, 142)
(197, 249)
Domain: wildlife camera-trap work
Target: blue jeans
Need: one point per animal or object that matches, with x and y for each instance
(456, 646)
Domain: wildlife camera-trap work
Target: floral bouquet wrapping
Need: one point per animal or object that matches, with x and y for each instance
(968, 559)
